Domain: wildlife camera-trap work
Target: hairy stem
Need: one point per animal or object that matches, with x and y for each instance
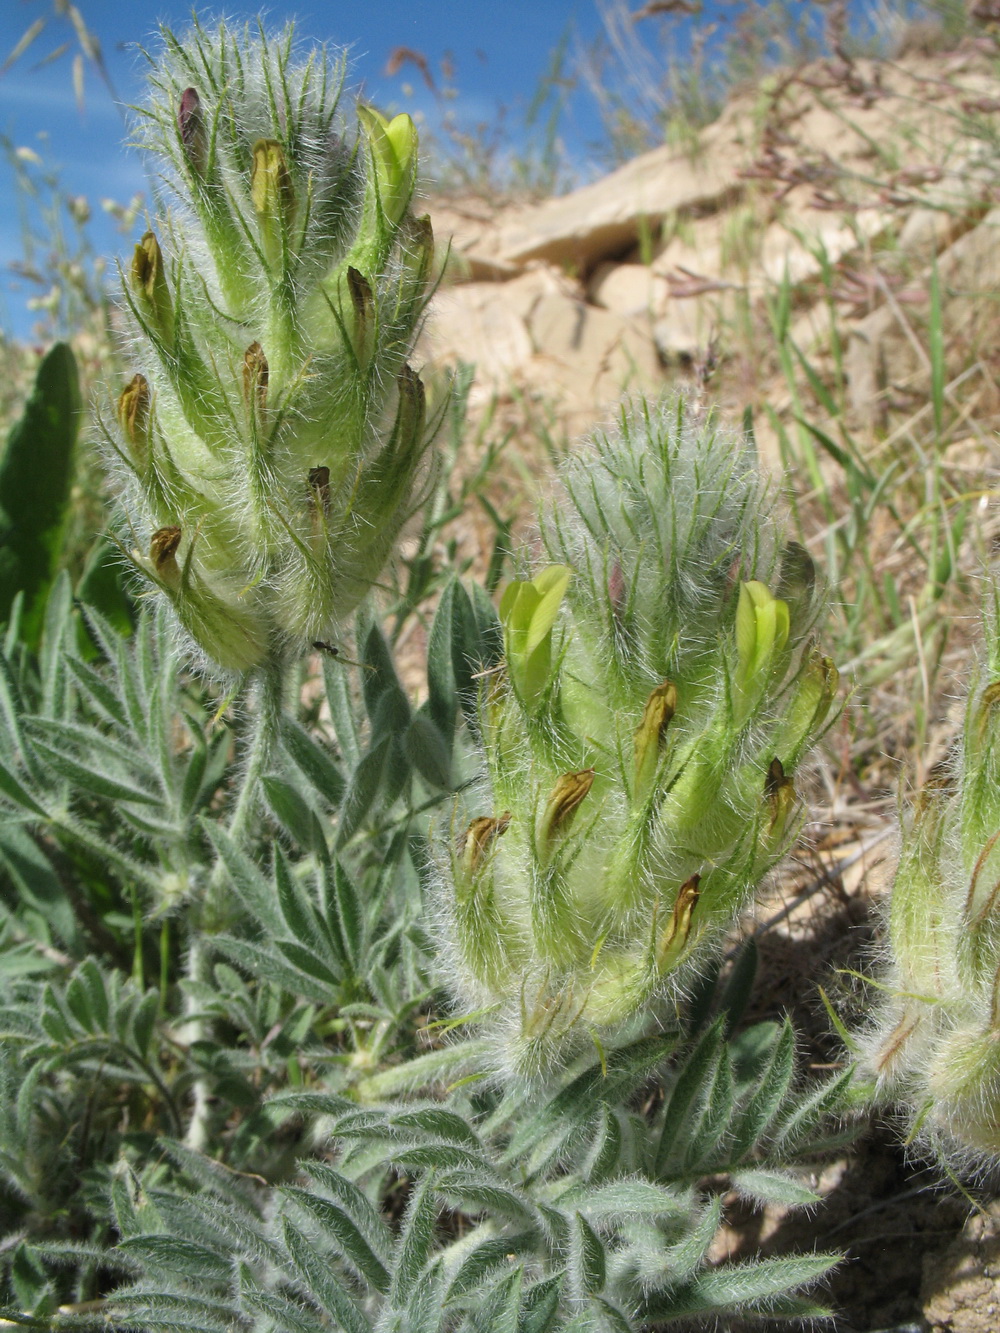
(266, 700)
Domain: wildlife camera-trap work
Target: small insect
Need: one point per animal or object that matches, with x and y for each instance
(322, 647)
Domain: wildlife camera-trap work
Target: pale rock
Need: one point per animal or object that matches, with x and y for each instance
(606, 218)
(630, 290)
(686, 326)
(801, 236)
(475, 323)
(459, 226)
(487, 323)
(537, 280)
(536, 334)
(588, 357)
(696, 247)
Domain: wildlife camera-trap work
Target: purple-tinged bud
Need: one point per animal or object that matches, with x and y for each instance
(191, 127)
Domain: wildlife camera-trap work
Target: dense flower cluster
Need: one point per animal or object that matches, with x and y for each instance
(660, 686)
(272, 436)
(934, 1043)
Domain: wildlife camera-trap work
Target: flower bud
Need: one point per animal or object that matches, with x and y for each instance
(762, 624)
(560, 809)
(255, 377)
(479, 838)
(273, 196)
(649, 735)
(149, 283)
(673, 939)
(393, 147)
(192, 131)
(133, 416)
(528, 611)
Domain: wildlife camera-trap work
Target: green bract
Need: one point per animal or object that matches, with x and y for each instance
(272, 436)
(934, 1045)
(660, 686)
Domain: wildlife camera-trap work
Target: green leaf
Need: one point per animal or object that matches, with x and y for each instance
(17, 795)
(309, 963)
(440, 1122)
(618, 1200)
(37, 883)
(491, 1253)
(292, 811)
(87, 998)
(340, 1228)
(708, 1136)
(739, 1288)
(338, 698)
(442, 688)
(428, 750)
(265, 964)
(36, 474)
(739, 984)
(91, 781)
(606, 1148)
(623, 1070)
(415, 1242)
(753, 1121)
(103, 586)
(804, 1118)
(254, 891)
(540, 1308)
(371, 1226)
(314, 762)
(176, 1254)
(501, 1306)
(99, 691)
(587, 1257)
(56, 626)
(693, 1080)
(311, 1103)
(483, 1192)
(379, 676)
(350, 914)
(322, 1283)
(366, 780)
(772, 1187)
(279, 1312)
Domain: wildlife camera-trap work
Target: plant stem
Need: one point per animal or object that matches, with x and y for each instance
(267, 697)
(270, 703)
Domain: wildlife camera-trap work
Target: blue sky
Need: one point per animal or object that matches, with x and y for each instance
(499, 52)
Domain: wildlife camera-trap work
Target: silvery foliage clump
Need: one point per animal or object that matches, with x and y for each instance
(270, 443)
(933, 1040)
(362, 1168)
(661, 684)
(579, 1213)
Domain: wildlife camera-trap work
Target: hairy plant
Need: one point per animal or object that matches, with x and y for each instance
(932, 1044)
(242, 1110)
(574, 1213)
(271, 437)
(659, 688)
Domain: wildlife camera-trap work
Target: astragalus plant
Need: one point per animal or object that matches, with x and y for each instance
(235, 1093)
(661, 683)
(270, 440)
(933, 1044)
